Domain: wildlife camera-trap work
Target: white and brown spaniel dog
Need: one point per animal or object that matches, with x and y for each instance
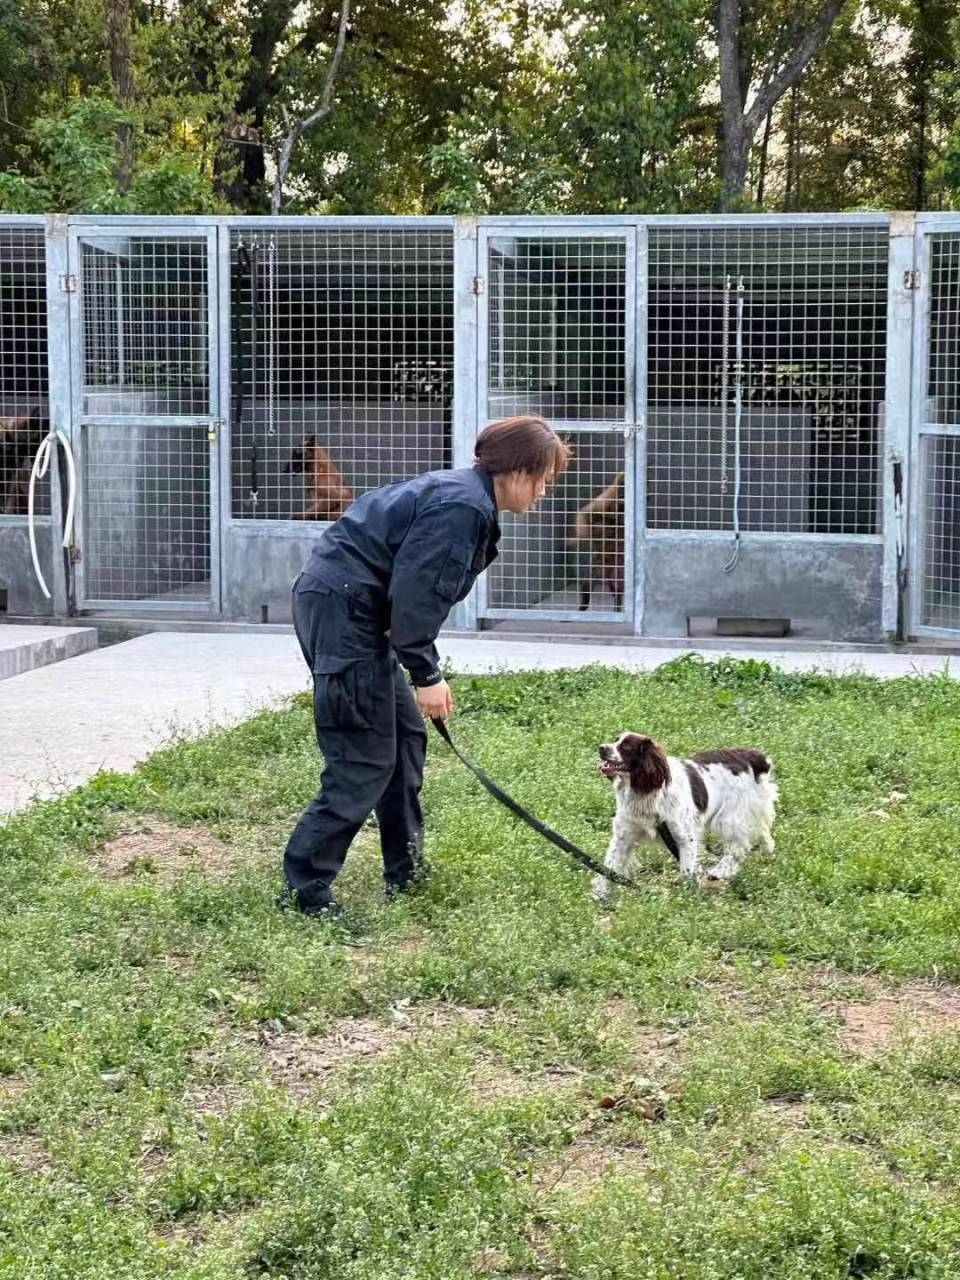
(729, 792)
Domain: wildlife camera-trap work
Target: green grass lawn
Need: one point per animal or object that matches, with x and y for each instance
(493, 1079)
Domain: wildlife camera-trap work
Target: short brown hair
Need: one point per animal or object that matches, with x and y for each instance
(527, 443)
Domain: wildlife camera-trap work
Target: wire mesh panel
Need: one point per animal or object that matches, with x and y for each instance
(147, 513)
(789, 324)
(342, 365)
(943, 370)
(556, 341)
(556, 327)
(569, 553)
(940, 575)
(145, 325)
(23, 365)
(144, 353)
(939, 453)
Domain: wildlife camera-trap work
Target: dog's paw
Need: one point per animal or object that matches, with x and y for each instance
(600, 891)
(724, 870)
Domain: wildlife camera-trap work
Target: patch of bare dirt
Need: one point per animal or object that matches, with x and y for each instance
(792, 1113)
(186, 1231)
(298, 1062)
(156, 849)
(25, 1150)
(582, 1166)
(651, 1051)
(11, 1088)
(365, 958)
(494, 1081)
(197, 1230)
(906, 1014)
(215, 1099)
(736, 993)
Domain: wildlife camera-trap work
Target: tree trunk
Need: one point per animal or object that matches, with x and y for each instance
(739, 125)
(923, 90)
(764, 152)
(791, 194)
(308, 122)
(241, 169)
(736, 158)
(119, 42)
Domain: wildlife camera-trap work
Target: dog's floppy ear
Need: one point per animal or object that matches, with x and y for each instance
(647, 763)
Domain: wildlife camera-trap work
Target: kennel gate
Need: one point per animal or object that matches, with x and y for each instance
(145, 400)
(558, 323)
(935, 469)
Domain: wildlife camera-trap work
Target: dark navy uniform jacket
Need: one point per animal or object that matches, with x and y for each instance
(407, 553)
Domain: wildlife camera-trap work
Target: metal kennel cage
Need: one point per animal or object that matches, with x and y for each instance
(762, 410)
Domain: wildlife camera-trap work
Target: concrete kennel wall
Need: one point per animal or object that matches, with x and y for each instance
(17, 578)
(829, 590)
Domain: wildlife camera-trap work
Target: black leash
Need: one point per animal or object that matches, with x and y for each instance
(518, 810)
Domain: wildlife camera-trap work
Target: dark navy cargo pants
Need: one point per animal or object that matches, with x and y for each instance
(373, 743)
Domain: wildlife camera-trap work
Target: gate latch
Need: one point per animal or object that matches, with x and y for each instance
(911, 280)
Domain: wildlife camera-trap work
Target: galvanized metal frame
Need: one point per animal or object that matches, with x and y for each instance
(36, 222)
(904, 370)
(242, 526)
(897, 432)
(672, 338)
(927, 226)
(16, 565)
(82, 229)
(564, 229)
(59, 402)
(639, 529)
(465, 374)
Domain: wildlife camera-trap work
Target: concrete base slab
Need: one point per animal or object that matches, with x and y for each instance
(27, 648)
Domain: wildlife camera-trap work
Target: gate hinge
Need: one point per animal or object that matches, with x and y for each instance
(75, 556)
(911, 279)
(477, 286)
(68, 284)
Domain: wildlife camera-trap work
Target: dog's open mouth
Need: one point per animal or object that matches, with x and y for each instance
(610, 768)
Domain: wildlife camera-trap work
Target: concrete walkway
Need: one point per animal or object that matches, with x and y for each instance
(110, 708)
(26, 648)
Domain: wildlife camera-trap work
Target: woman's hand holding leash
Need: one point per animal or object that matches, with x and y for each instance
(435, 702)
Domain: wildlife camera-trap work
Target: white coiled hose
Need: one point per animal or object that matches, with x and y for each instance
(41, 465)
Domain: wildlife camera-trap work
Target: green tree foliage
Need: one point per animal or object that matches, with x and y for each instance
(477, 106)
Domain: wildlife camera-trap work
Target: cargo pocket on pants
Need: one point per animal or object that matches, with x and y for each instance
(342, 693)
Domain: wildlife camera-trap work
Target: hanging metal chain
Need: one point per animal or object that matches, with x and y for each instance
(254, 370)
(737, 422)
(272, 339)
(724, 386)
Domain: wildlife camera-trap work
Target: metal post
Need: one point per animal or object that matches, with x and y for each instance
(59, 404)
(640, 438)
(465, 373)
(897, 419)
